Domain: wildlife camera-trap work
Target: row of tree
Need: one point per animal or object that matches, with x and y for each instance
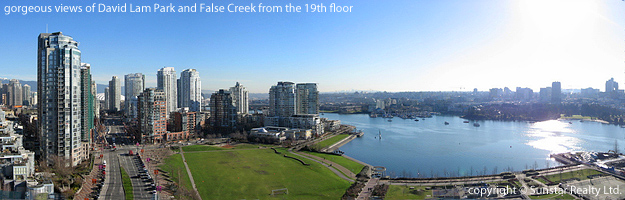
(542, 111)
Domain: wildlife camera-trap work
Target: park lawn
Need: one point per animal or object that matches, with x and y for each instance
(127, 184)
(254, 174)
(575, 117)
(175, 168)
(345, 162)
(330, 141)
(193, 148)
(404, 192)
(553, 196)
(581, 174)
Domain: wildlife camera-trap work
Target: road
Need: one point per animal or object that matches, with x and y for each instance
(141, 186)
(113, 188)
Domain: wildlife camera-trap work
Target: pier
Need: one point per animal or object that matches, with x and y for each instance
(564, 159)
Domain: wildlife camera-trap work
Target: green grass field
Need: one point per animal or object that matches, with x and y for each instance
(347, 163)
(553, 196)
(332, 140)
(253, 174)
(175, 169)
(581, 174)
(193, 148)
(575, 117)
(127, 184)
(404, 192)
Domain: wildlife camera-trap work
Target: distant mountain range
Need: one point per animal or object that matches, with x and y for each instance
(207, 93)
(33, 85)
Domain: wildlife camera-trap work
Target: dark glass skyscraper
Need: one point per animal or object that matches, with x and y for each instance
(59, 96)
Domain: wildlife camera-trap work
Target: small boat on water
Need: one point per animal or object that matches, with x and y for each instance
(416, 120)
(390, 120)
(380, 134)
(446, 123)
(466, 121)
(476, 124)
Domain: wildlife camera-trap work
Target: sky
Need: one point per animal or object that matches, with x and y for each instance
(412, 45)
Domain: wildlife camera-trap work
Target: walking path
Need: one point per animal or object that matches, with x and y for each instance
(338, 144)
(336, 168)
(189, 173)
(87, 185)
(366, 191)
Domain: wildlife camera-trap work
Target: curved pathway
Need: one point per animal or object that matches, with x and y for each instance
(330, 165)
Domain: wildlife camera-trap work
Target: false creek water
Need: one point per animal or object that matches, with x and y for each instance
(428, 147)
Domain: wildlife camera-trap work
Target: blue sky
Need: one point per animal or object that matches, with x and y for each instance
(381, 45)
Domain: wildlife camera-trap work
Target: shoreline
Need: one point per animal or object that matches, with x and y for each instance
(513, 120)
(344, 141)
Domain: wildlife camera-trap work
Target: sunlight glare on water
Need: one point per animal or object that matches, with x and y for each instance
(552, 136)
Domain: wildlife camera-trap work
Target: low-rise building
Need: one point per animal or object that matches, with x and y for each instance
(270, 132)
(39, 189)
(184, 124)
(282, 133)
(298, 134)
(330, 125)
(17, 165)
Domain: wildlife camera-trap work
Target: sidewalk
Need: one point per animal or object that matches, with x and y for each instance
(366, 191)
(87, 184)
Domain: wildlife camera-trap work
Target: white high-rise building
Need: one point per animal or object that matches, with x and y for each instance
(15, 93)
(58, 89)
(611, 86)
(294, 106)
(166, 81)
(134, 86)
(240, 98)
(107, 98)
(96, 101)
(281, 104)
(190, 92)
(307, 98)
(115, 94)
(26, 94)
(33, 98)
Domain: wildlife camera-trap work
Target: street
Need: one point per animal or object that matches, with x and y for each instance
(116, 155)
(142, 186)
(112, 188)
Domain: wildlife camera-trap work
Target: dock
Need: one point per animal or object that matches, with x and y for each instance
(562, 158)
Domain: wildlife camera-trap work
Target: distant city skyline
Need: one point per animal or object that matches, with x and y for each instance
(398, 46)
